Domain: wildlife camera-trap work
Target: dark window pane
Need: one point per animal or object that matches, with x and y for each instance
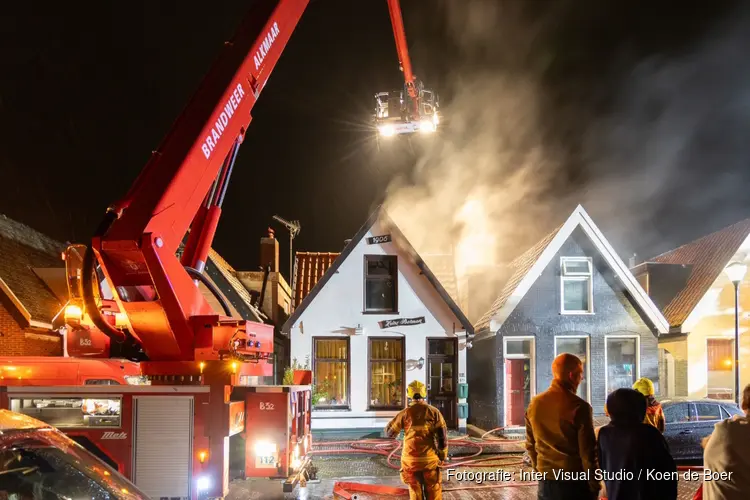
(576, 266)
(708, 411)
(381, 265)
(441, 347)
(379, 295)
(676, 414)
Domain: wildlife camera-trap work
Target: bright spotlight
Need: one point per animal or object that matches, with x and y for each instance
(387, 130)
(426, 127)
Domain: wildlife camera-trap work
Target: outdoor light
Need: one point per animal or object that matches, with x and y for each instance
(420, 363)
(735, 271)
(73, 314)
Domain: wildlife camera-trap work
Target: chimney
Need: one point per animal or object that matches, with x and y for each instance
(269, 252)
(632, 261)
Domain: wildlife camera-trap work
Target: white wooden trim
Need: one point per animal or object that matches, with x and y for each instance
(531, 356)
(637, 358)
(579, 217)
(576, 277)
(588, 359)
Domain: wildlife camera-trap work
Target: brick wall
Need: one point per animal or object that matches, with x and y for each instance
(15, 341)
(538, 315)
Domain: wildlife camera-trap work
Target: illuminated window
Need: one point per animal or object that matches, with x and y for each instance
(331, 372)
(622, 362)
(387, 363)
(576, 285)
(720, 368)
(380, 283)
(71, 413)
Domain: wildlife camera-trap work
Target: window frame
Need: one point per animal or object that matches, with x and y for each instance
(637, 357)
(575, 276)
(366, 278)
(370, 407)
(588, 359)
(348, 405)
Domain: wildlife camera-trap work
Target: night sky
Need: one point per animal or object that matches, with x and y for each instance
(88, 90)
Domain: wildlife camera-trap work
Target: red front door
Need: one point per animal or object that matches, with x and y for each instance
(515, 388)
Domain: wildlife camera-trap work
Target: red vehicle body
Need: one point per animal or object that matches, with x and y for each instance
(46, 371)
(130, 286)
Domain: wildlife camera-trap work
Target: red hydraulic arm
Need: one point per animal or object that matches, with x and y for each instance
(184, 182)
(399, 33)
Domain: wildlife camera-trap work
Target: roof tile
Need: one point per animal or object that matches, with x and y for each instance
(707, 257)
(21, 250)
(520, 266)
(308, 269)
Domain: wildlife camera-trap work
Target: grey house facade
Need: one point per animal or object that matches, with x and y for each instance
(568, 293)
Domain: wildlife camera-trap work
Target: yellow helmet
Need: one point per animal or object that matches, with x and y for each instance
(416, 387)
(644, 386)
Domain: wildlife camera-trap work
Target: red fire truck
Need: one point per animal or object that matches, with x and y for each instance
(202, 415)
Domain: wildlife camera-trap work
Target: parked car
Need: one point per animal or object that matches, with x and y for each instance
(688, 421)
(39, 462)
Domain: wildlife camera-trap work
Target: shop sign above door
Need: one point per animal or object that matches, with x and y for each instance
(390, 323)
(377, 240)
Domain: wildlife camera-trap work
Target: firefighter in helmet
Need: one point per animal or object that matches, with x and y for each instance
(425, 444)
(654, 411)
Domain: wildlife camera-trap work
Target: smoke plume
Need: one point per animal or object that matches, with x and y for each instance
(629, 130)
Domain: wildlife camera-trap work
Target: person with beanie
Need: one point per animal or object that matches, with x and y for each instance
(628, 444)
(654, 411)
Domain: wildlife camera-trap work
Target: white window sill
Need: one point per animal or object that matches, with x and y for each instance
(577, 313)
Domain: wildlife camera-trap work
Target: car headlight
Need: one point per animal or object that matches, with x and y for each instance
(203, 483)
(387, 130)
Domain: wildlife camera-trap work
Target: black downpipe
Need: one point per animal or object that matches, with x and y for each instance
(266, 272)
(197, 275)
(88, 285)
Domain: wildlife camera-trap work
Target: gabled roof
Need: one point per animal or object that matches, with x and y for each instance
(309, 267)
(380, 214)
(707, 258)
(225, 278)
(22, 251)
(528, 266)
(443, 267)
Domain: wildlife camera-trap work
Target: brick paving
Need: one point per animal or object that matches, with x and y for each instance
(373, 470)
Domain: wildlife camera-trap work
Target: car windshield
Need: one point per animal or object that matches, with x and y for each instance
(41, 464)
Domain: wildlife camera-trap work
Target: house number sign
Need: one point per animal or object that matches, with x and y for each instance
(377, 240)
(388, 323)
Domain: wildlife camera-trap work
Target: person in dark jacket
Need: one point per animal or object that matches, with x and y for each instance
(627, 444)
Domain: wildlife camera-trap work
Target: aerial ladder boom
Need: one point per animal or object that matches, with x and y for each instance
(399, 33)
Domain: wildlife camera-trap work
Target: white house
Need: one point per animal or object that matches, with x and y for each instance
(698, 299)
(373, 322)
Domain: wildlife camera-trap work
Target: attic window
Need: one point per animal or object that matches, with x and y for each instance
(576, 290)
(380, 284)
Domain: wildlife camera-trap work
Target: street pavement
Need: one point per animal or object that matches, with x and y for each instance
(373, 470)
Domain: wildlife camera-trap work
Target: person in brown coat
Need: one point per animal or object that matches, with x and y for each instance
(560, 436)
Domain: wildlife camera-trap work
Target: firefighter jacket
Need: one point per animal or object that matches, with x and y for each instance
(425, 436)
(654, 414)
(560, 433)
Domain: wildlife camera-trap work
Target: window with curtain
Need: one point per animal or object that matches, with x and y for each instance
(720, 368)
(386, 365)
(331, 372)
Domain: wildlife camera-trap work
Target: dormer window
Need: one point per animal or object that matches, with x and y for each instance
(576, 285)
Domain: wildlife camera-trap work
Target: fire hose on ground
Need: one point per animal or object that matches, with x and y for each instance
(390, 447)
